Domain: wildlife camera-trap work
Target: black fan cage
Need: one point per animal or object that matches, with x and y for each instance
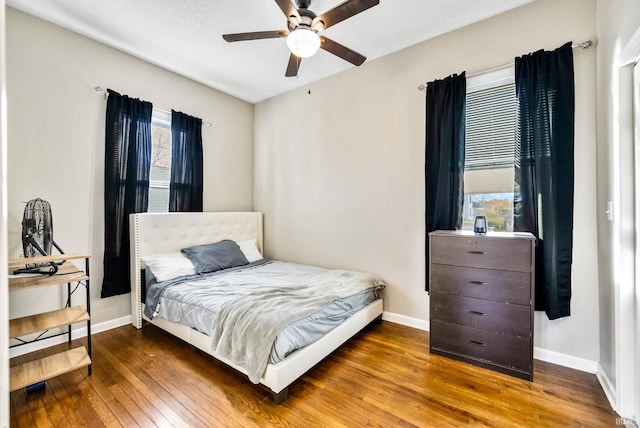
(37, 228)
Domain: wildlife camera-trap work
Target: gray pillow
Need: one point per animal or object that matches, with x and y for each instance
(212, 257)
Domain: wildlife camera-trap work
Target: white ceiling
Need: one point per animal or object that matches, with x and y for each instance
(185, 36)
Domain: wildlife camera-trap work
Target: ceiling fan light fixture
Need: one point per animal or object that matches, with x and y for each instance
(303, 42)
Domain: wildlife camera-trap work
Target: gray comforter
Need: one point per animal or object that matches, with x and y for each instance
(243, 310)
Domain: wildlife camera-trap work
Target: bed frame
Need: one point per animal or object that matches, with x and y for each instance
(153, 233)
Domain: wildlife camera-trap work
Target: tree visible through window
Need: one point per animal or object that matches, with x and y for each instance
(496, 207)
(160, 162)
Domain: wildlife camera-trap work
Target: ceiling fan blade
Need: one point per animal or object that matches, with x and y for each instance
(342, 51)
(345, 10)
(289, 10)
(257, 35)
(293, 66)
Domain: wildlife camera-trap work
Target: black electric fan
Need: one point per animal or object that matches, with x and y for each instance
(37, 236)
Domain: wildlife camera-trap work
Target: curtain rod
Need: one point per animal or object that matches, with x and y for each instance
(583, 45)
(100, 90)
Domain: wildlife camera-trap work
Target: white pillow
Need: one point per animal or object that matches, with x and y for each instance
(250, 250)
(168, 265)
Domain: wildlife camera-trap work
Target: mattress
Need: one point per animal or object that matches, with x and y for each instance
(212, 304)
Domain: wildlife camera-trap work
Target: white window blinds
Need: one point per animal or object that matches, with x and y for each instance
(491, 122)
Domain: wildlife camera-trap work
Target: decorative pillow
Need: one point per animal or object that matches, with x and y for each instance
(250, 250)
(212, 257)
(167, 266)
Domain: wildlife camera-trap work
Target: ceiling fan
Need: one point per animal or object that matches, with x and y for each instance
(303, 28)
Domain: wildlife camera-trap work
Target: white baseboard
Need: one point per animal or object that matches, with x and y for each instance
(405, 320)
(607, 387)
(565, 360)
(541, 354)
(75, 334)
(610, 392)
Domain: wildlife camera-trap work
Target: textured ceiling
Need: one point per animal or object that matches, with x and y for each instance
(185, 36)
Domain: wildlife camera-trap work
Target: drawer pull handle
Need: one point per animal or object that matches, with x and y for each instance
(477, 283)
(477, 252)
(476, 343)
(482, 314)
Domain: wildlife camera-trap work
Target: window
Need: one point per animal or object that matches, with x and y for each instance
(160, 161)
(489, 151)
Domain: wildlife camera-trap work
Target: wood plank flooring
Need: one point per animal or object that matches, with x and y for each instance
(385, 377)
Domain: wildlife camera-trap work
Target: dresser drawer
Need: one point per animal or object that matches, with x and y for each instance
(506, 351)
(482, 251)
(482, 314)
(498, 285)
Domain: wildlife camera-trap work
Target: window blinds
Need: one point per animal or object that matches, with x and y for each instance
(491, 122)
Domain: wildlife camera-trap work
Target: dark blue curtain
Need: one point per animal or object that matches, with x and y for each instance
(444, 155)
(127, 163)
(185, 189)
(543, 193)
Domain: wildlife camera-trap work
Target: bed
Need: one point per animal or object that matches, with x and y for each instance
(158, 233)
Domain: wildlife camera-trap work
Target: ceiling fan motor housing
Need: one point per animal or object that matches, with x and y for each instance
(308, 19)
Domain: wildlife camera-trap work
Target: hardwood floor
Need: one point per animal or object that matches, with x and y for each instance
(385, 376)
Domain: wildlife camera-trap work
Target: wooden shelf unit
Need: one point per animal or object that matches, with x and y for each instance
(45, 368)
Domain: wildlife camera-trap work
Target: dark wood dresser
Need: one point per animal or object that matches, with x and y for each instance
(481, 305)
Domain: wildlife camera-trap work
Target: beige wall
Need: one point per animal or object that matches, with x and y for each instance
(339, 173)
(616, 24)
(56, 134)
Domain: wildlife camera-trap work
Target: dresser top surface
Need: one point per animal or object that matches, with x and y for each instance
(469, 233)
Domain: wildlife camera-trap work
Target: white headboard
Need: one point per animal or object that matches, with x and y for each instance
(153, 233)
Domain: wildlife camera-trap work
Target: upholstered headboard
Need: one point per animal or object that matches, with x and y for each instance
(153, 233)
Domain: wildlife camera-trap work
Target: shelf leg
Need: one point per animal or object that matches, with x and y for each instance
(68, 306)
(88, 293)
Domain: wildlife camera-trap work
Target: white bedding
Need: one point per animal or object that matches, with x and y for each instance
(263, 313)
